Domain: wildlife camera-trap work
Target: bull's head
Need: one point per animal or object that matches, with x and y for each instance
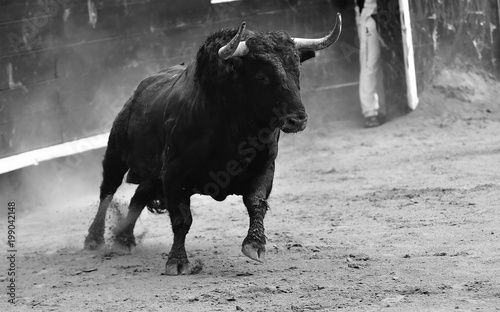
(267, 64)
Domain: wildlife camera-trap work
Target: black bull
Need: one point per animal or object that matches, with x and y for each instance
(211, 127)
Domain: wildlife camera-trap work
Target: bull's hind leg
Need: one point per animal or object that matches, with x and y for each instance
(181, 219)
(113, 171)
(124, 234)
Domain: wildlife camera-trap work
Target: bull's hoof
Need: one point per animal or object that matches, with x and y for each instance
(177, 267)
(123, 244)
(93, 243)
(120, 248)
(254, 251)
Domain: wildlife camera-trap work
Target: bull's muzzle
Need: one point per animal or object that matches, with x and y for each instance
(294, 123)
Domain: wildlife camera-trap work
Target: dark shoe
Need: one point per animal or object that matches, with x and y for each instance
(374, 121)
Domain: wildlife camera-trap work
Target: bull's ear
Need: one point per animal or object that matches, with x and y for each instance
(305, 55)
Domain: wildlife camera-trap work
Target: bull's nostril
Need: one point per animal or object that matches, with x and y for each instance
(296, 120)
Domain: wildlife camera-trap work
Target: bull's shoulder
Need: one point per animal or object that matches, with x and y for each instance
(158, 80)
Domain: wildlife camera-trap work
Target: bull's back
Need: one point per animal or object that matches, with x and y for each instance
(144, 132)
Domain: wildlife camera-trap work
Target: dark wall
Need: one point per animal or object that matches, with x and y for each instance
(68, 66)
(448, 31)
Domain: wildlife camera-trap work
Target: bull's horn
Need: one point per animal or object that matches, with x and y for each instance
(235, 47)
(306, 44)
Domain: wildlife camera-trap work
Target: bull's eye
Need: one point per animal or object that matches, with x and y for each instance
(262, 78)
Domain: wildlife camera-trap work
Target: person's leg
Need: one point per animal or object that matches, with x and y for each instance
(369, 64)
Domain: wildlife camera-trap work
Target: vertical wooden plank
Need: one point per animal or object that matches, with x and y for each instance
(498, 11)
(409, 60)
(392, 55)
(424, 38)
(496, 42)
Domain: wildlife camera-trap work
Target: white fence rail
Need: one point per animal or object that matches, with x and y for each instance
(33, 158)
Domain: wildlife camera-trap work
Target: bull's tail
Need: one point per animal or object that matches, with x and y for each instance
(155, 200)
(157, 206)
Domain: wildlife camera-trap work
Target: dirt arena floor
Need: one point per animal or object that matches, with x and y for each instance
(403, 217)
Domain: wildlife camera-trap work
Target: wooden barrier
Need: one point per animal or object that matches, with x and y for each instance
(68, 66)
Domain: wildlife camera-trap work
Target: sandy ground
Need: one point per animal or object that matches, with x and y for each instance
(403, 217)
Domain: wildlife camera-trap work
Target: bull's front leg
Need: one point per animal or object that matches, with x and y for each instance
(255, 199)
(181, 219)
(254, 244)
(178, 206)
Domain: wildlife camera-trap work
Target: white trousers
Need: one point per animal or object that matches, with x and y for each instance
(369, 59)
